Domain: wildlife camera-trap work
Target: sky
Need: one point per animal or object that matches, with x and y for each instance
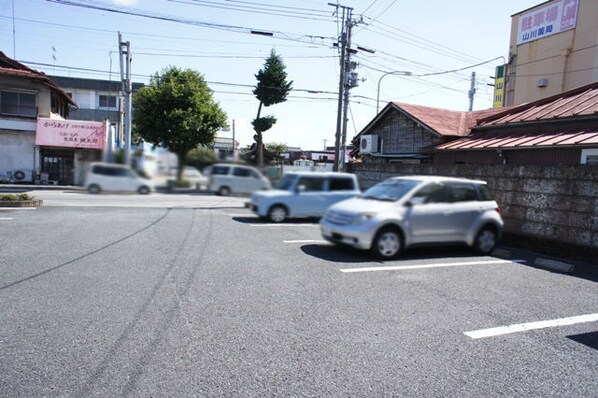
(439, 42)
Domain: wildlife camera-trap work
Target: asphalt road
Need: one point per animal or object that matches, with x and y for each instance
(167, 301)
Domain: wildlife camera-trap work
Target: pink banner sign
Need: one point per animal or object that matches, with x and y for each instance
(70, 133)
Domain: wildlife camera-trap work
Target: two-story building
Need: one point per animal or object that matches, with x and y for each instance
(25, 96)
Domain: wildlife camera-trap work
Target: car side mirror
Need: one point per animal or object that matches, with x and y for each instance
(300, 188)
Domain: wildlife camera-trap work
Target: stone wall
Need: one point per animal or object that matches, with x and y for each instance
(552, 206)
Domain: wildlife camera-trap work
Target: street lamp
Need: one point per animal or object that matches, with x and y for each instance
(394, 72)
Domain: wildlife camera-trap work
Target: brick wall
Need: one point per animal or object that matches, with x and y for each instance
(552, 206)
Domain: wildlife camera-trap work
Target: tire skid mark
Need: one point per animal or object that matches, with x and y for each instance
(95, 379)
(47, 271)
(177, 309)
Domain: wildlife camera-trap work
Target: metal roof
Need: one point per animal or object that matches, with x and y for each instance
(581, 102)
(494, 140)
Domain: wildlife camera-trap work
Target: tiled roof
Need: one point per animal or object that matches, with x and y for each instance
(10, 67)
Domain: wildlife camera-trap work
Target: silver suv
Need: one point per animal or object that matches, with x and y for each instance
(405, 211)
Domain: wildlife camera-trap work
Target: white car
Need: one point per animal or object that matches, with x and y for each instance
(115, 178)
(198, 180)
(418, 210)
(233, 178)
(304, 194)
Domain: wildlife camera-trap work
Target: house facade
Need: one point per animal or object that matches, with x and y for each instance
(405, 132)
(97, 100)
(30, 149)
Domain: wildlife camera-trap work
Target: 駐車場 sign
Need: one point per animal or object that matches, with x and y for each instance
(546, 21)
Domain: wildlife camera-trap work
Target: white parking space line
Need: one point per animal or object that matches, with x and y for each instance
(522, 327)
(304, 241)
(17, 208)
(409, 267)
(5, 218)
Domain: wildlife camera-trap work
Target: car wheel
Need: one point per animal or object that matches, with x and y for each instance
(143, 190)
(94, 188)
(388, 243)
(485, 240)
(224, 191)
(277, 214)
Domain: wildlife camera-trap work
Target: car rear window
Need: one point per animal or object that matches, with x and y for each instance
(220, 170)
(341, 184)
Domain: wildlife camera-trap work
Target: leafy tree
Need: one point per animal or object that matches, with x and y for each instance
(177, 111)
(272, 88)
(200, 157)
(276, 148)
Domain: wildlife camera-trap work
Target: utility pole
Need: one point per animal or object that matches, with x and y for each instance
(347, 80)
(124, 50)
(472, 91)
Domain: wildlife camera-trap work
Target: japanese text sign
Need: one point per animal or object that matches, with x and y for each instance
(70, 133)
(546, 21)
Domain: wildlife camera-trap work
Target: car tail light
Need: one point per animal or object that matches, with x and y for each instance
(499, 211)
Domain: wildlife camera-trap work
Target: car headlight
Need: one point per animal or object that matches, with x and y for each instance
(362, 217)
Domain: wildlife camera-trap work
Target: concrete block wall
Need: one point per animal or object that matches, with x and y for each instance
(557, 205)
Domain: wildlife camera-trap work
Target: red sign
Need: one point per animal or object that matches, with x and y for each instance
(70, 133)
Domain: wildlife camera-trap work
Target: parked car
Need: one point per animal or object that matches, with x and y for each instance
(232, 178)
(198, 180)
(304, 194)
(115, 178)
(401, 212)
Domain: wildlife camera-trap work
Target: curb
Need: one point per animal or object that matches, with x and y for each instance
(554, 265)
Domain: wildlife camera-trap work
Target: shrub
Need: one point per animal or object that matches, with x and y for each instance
(13, 197)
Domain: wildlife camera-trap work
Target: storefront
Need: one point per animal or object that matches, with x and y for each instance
(64, 147)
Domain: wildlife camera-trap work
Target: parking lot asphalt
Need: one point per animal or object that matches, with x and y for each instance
(216, 302)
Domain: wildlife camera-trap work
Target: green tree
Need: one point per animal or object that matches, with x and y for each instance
(272, 88)
(177, 111)
(200, 157)
(277, 148)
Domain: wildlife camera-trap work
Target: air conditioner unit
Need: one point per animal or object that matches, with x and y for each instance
(22, 176)
(368, 144)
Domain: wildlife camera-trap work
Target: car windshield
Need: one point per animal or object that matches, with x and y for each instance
(390, 190)
(287, 182)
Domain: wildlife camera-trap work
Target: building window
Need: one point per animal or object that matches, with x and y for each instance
(108, 101)
(18, 104)
(589, 156)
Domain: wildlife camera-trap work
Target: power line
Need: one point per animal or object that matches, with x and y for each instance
(310, 91)
(149, 35)
(386, 9)
(89, 4)
(272, 10)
